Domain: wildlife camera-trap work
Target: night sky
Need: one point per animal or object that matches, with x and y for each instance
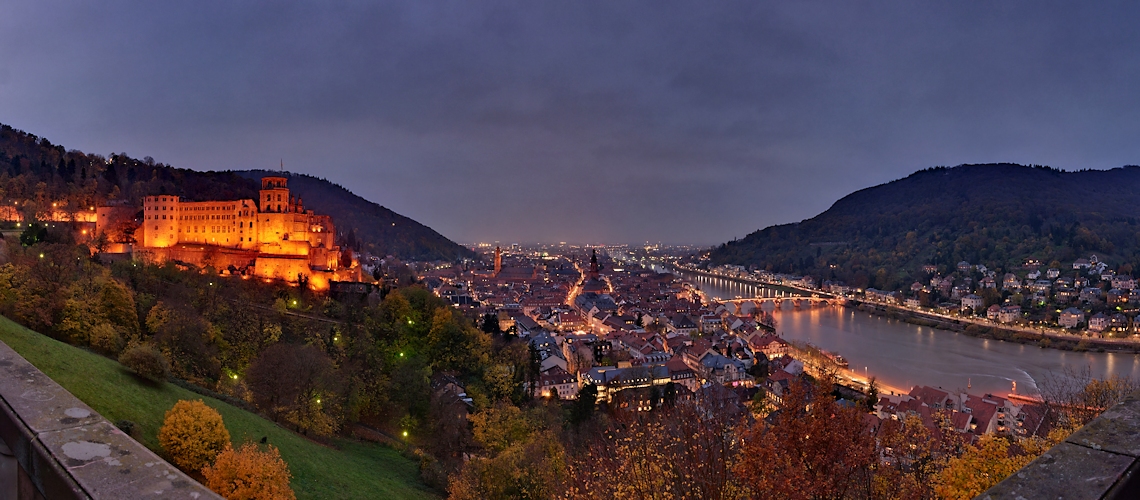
(690, 122)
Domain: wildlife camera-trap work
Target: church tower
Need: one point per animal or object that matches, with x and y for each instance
(593, 263)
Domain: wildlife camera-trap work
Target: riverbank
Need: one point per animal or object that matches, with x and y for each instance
(1043, 339)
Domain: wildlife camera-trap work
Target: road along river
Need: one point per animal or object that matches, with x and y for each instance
(903, 355)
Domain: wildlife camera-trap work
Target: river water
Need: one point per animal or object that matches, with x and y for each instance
(903, 355)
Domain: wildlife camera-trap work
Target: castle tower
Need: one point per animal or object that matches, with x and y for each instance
(498, 260)
(274, 195)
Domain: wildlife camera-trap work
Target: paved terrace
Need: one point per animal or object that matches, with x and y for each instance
(52, 446)
(1099, 461)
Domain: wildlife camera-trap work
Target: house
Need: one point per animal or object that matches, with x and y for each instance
(973, 303)
(1118, 322)
(935, 398)
(1052, 273)
(1098, 322)
(723, 370)
(1081, 263)
(964, 267)
(988, 282)
(1116, 296)
(681, 325)
(771, 345)
(913, 302)
(993, 312)
(557, 382)
(525, 326)
(681, 374)
(1090, 294)
(1010, 282)
(1123, 282)
(1009, 313)
(1071, 317)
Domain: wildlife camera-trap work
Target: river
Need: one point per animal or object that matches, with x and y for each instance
(903, 355)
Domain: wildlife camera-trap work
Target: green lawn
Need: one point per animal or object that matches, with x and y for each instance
(356, 470)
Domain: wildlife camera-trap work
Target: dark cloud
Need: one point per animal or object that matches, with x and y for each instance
(583, 121)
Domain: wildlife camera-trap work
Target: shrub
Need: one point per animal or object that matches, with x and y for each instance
(126, 426)
(105, 339)
(249, 473)
(146, 360)
(193, 434)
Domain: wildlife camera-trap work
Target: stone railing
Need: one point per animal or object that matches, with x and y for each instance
(1099, 461)
(52, 446)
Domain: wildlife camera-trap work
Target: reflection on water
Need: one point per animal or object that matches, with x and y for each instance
(902, 355)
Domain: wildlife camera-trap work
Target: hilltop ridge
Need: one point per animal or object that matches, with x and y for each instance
(35, 171)
(996, 214)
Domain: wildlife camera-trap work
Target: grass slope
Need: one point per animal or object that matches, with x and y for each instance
(356, 470)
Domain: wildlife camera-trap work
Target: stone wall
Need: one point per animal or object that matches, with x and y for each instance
(52, 446)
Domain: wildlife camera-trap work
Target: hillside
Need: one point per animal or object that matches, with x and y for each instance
(37, 173)
(355, 470)
(378, 229)
(999, 215)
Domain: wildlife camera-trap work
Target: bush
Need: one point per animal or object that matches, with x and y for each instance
(126, 426)
(249, 473)
(146, 360)
(193, 434)
(105, 339)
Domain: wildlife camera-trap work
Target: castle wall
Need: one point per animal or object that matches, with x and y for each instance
(285, 240)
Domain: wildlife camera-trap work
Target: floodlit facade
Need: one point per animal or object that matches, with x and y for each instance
(273, 236)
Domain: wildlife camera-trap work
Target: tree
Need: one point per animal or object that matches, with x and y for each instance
(813, 449)
(146, 361)
(296, 383)
(872, 394)
(501, 426)
(490, 324)
(193, 434)
(583, 407)
(982, 466)
(249, 473)
(533, 469)
(683, 451)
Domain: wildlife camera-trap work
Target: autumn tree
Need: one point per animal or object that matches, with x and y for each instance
(534, 469)
(982, 466)
(146, 360)
(683, 451)
(193, 434)
(812, 449)
(913, 455)
(249, 473)
(297, 383)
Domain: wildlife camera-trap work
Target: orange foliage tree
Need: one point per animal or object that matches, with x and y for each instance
(681, 450)
(193, 434)
(249, 473)
(813, 449)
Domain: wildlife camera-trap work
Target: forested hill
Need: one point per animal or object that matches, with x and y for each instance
(37, 173)
(999, 215)
(378, 229)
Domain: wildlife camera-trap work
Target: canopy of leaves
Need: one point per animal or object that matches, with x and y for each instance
(193, 434)
(249, 473)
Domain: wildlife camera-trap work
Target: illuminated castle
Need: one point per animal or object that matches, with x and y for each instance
(273, 237)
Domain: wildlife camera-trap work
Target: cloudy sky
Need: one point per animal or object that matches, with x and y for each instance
(581, 121)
